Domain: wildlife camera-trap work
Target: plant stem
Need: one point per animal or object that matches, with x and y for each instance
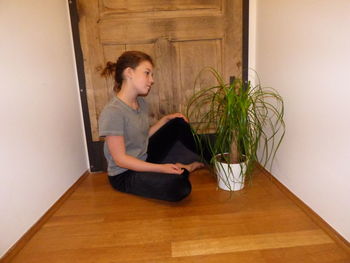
(234, 151)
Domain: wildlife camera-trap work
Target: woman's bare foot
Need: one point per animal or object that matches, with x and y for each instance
(191, 166)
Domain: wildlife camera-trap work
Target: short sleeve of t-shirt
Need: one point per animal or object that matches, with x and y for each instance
(111, 122)
(118, 119)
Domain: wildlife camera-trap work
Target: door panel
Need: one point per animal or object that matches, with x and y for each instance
(182, 36)
(158, 5)
(210, 51)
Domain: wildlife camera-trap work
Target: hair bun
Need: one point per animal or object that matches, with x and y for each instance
(109, 69)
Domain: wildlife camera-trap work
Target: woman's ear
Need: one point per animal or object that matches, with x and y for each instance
(128, 73)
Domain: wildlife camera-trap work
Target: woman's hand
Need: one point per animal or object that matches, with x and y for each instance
(170, 168)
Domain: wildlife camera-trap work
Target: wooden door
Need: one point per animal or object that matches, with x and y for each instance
(183, 37)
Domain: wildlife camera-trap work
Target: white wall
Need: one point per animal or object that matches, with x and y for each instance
(303, 50)
(42, 150)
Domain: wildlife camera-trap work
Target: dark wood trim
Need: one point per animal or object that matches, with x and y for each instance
(13, 251)
(245, 45)
(95, 149)
(339, 239)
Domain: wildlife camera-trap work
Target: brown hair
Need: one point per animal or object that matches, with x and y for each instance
(128, 59)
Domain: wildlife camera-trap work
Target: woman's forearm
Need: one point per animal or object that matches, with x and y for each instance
(132, 163)
(116, 147)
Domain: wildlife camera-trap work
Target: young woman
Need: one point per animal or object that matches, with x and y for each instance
(140, 158)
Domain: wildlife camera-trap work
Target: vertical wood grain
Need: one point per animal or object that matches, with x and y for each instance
(182, 36)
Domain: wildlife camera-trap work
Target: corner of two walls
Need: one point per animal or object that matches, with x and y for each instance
(43, 149)
(301, 48)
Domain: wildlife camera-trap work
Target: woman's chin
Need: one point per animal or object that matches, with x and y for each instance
(143, 94)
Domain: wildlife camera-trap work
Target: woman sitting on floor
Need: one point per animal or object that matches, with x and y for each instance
(140, 159)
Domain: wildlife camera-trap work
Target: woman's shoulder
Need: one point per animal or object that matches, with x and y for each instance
(114, 104)
(111, 107)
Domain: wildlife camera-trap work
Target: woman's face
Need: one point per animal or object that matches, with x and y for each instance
(141, 78)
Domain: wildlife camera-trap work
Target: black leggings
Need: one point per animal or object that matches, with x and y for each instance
(172, 143)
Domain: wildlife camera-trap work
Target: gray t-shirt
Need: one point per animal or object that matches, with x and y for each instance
(118, 119)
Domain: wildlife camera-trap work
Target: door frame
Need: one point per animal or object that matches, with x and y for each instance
(95, 149)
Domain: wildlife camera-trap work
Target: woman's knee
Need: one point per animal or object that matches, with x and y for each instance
(181, 122)
(180, 188)
(177, 122)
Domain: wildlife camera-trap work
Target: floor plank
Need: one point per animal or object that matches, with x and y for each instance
(249, 242)
(256, 224)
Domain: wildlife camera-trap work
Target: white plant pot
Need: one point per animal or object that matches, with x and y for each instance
(230, 176)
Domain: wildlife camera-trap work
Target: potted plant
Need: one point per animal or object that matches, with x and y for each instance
(246, 121)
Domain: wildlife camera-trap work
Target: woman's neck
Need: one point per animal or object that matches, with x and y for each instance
(128, 99)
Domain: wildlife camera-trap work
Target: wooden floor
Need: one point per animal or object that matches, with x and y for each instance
(258, 224)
